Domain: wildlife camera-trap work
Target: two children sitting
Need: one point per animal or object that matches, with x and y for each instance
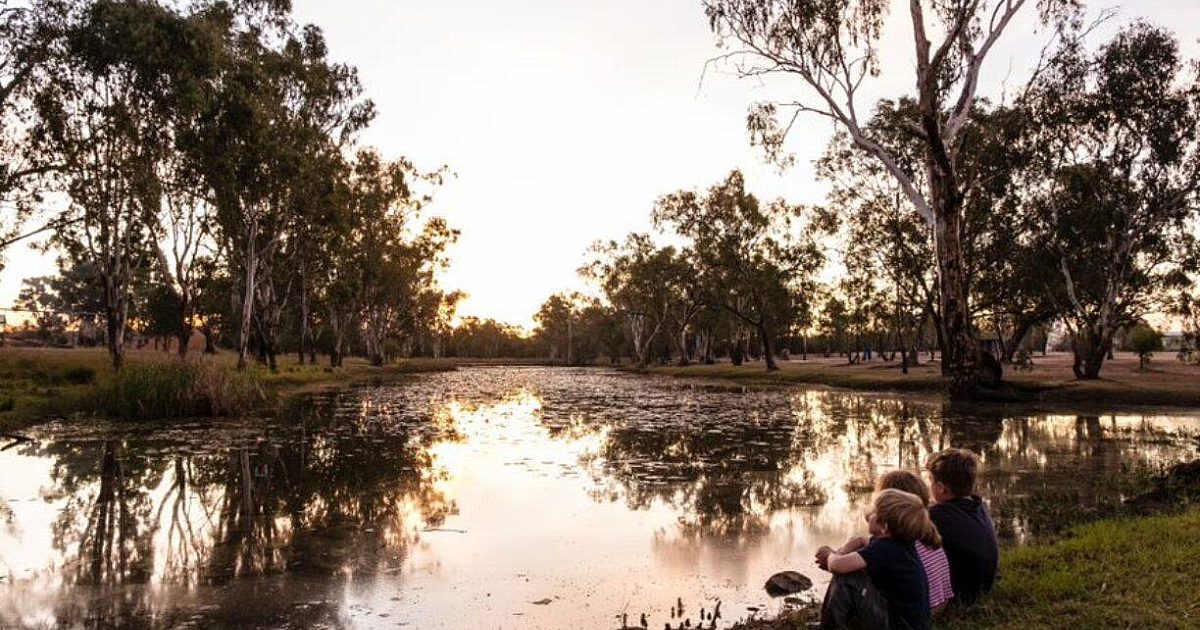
(919, 557)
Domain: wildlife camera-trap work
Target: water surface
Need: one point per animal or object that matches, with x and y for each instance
(509, 498)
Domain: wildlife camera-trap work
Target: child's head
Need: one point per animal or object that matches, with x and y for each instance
(953, 471)
(906, 481)
(901, 515)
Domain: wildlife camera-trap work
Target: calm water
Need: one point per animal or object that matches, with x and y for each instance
(508, 498)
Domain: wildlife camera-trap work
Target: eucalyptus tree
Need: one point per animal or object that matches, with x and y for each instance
(687, 298)
(605, 328)
(645, 283)
(404, 296)
(885, 243)
(1116, 184)
(889, 244)
(832, 48)
(556, 320)
(380, 273)
(183, 231)
(487, 338)
(759, 262)
(28, 33)
(69, 297)
(102, 117)
(279, 104)
(1186, 308)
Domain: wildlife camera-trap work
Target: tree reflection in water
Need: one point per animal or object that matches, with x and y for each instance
(323, 496)
(256, 522)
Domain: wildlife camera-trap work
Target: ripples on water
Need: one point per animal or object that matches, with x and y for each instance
(508, 497)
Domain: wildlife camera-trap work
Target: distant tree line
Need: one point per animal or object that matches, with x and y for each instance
(197, 165)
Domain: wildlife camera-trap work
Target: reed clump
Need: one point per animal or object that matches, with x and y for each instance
(177, 390)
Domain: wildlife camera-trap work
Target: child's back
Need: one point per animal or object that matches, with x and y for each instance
(896, 570)
(968, 534)
(933, 559)
(969, 539)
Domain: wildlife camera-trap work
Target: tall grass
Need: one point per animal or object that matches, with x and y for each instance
(176, 390)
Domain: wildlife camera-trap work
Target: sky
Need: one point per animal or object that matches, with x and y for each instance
(563, 120)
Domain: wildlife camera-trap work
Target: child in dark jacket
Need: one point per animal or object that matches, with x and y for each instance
(879, 581)
(967, 531)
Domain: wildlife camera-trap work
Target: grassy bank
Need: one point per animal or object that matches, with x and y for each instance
(37, 383)
(1121, 573)
(1125, 573)
(1166, 382)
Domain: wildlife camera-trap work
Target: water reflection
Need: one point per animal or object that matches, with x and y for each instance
(464, 498)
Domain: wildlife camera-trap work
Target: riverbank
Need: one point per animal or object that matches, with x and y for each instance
(41, 383)
(1120, 573)
(1166, 382)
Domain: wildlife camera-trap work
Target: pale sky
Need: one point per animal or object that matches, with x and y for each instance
(565, 119)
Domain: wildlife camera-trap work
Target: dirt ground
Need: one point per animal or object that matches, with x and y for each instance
(1166, 380)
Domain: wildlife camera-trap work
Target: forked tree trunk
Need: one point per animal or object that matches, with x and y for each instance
(1091, 348)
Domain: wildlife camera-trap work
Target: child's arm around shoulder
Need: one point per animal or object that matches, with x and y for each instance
(843, 563)
(853, 544)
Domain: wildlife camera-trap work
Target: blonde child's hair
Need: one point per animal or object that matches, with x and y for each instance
(906, 481)
(906, 518)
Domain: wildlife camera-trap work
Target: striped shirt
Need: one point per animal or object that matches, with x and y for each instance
(937, 571)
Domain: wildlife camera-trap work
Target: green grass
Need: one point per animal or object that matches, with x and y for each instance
(1123, 573)
(1139, 572)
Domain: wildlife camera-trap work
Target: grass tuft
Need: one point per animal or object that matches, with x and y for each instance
(176, 390)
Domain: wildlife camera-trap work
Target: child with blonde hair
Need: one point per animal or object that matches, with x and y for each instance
(879, 581)
(937, 569)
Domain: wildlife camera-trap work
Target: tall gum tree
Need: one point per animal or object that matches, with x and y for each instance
(1000, 248)
(278, 103)
(832, 47)
(638, 279)
(102, 118)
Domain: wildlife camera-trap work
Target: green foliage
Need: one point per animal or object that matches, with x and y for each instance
(1115, 183)
(487, 338)
(757, 262)
(1145, 340)
(649, 286)
(561, 330)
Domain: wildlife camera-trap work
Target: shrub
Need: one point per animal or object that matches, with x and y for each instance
(177, 390)
(1145, 341)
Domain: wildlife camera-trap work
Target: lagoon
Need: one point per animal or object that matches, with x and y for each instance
(513, 497)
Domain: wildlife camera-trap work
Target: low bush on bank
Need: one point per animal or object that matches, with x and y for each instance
(176, 390)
